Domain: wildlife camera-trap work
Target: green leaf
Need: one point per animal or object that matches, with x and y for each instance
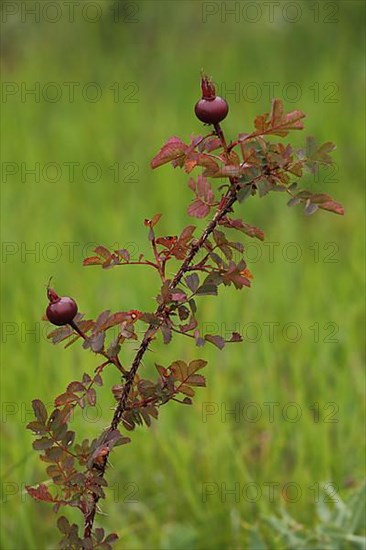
(207, 290)
(244, 193)
(255, 540)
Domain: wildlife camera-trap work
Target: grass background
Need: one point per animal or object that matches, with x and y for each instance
(165, 468)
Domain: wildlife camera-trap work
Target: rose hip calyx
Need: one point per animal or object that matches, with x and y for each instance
(60, 310)
(211, 109)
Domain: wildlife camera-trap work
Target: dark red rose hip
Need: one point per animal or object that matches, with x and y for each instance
(61, 310)
(211, 109)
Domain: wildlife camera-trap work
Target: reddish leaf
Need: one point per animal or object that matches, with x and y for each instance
(40, 493)
(278, 123)
(63, 525)
(115, 319)
(64, 398)
(37, 427)
(193, 159)
(60, 334)
(321, 200)
(68, 439)
(75, 387)
(93, 260)
(103, 252)
(123, 254)
(196, 380)
(326, 202)
(154, 220)
(183, 313)
(111, 538)
(86, 378)
(249, 230)
(187, 401)
(187, 390)
(39, 410)
(332, 206)
(196, 365)
(310, 208)
(91, 396)
(173, 149)
(167, 333)
(217, 340)
(192, 281)
(42, 443)
(53, 454)
(198, 209)
(210, 144)
(102, 317)
(99, 534)
(163, 372)
(178, 295)
(179, 369)
(236, 337)
(235, 275)
(97, 342)
(192, 324)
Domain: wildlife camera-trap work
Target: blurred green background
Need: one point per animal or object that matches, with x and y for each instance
(144, 59)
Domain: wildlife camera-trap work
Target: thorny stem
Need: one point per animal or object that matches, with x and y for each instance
(224, 207)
